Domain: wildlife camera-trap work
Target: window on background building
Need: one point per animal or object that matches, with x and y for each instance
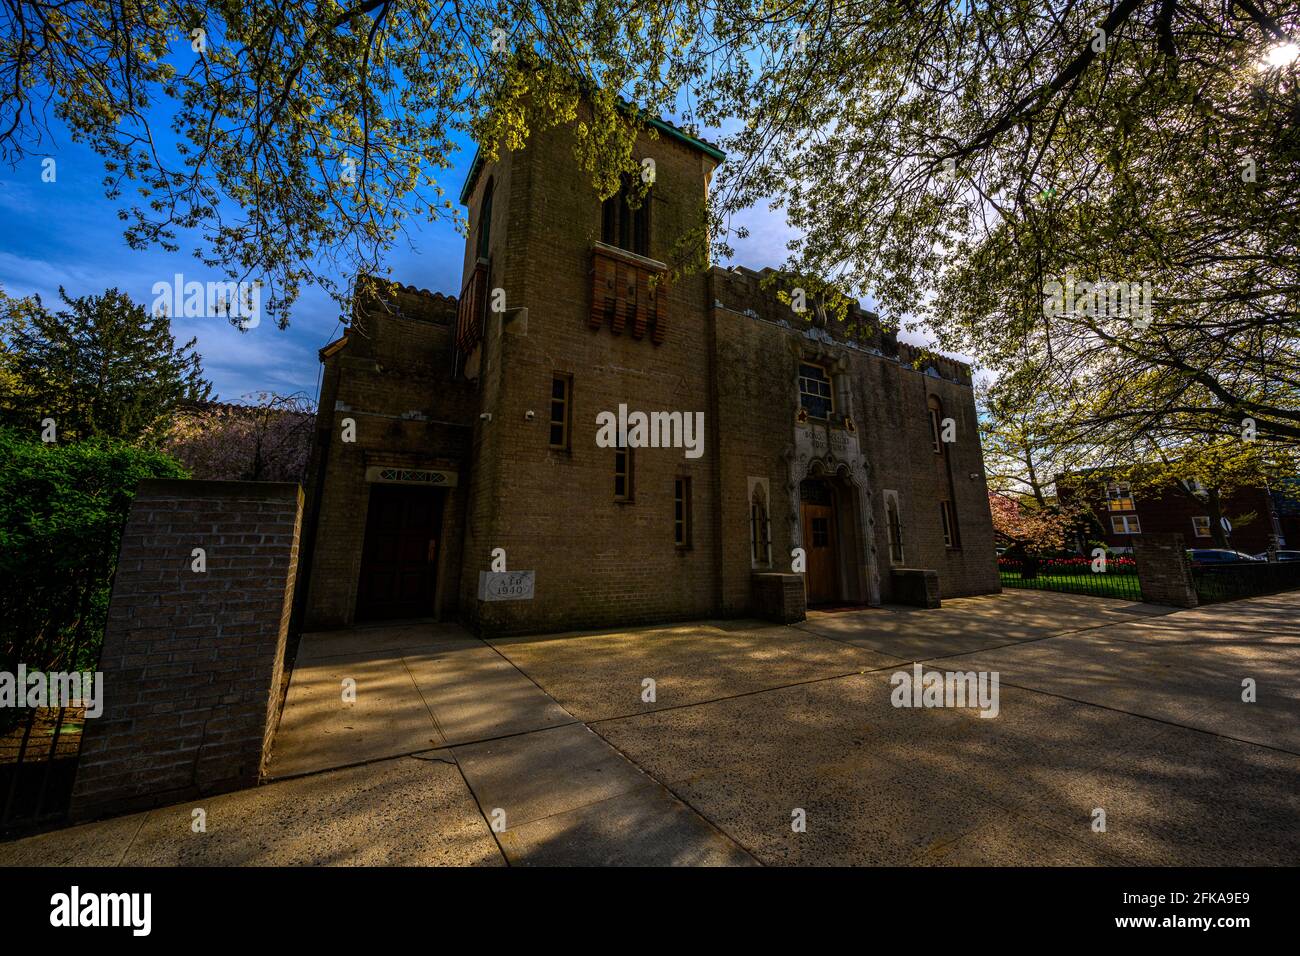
(949, 524)
(1201, 525)
(894, 527)
(623, 474)
(936, 426)
(484, 222)
(622, 225)
(682, 512)
(561, 402)
(1119, 496)
(815, 396)
(1125, 524)
(760, 530)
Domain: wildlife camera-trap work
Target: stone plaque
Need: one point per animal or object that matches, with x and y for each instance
(505, 585)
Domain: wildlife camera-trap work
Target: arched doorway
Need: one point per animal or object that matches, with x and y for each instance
(817, 517)
(829, 524)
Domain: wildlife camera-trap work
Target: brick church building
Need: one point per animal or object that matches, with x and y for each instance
(459, 471)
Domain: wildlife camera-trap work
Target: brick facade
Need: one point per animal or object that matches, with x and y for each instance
(1251, 511)
(192, 661)
(623, 330)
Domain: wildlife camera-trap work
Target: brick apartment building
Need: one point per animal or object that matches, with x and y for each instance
(1122, 513)
(474, 425)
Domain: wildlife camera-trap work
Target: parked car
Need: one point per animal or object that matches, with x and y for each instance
(1218, 556)
(1281, 556)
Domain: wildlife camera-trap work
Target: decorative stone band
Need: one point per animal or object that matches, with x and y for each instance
(412, 476)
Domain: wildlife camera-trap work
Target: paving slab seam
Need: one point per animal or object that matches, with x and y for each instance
(427, 706)
(144, 817)
(680, 799)
(527, 676)
(445, 745)
(474, 796)
(449, 761)
(742, 694)
(649, 777)
(1014, 812)
(1159, 720)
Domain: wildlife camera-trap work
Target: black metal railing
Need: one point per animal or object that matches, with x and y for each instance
(1243, 579)
(1119, 578)
(40, 745)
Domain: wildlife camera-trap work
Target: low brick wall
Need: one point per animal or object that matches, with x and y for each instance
(192, 661)
(917, 587)
(1164, 570)
(779, 597)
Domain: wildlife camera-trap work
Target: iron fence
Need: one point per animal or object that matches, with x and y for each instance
(1073, 576)
(39, 746)
(1242, 579)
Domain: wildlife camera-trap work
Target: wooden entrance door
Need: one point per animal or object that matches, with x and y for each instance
(819, 546)
(399, 559)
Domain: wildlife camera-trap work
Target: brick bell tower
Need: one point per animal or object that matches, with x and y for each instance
(569, 309)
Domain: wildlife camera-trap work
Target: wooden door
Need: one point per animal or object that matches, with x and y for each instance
(399, 559)
(819, 546)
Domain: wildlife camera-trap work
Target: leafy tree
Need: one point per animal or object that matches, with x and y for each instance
(950, 160)
(307, 135)
(103, 367)
(1024, 446)
(266, 440)
(62, 508)
(956, 159)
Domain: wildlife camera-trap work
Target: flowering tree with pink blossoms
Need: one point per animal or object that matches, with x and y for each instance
(266, 438)
(1020, 521)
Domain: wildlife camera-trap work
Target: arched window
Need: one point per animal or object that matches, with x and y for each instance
(484, 222)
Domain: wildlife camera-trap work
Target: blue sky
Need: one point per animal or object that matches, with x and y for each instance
(67, 233)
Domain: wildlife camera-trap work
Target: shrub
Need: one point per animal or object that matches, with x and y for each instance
(62, 508)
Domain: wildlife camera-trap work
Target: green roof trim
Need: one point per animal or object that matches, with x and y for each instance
(475, 166)
(708, 149)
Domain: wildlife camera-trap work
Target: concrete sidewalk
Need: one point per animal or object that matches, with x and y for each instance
(545, 750)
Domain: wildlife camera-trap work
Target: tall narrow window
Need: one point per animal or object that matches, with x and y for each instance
(815, 395)
(894, 527)
(949, 524)
(936, 427)
(623, 474)
(561, 402)
(484, 222)
(760, 530)
(682, 512)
